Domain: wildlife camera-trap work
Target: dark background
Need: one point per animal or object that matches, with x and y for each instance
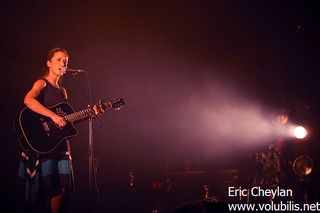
(166, 59)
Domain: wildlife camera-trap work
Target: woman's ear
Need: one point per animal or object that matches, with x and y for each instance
(48, 63)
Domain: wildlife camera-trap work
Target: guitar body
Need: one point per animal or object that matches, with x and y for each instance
(40, 133)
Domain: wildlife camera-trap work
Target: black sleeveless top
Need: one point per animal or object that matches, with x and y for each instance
(50, 96)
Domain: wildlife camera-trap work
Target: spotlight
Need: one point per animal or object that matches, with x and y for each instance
(300, 132)
(280, 117)
(302, 166)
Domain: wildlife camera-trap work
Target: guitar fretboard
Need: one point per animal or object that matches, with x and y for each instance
(83, 114)
(87, 113)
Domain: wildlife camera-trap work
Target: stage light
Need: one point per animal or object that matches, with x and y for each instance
(302, 166)
(280, 117)
(300, 132)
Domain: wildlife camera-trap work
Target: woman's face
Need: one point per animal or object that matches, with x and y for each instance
(58, 63)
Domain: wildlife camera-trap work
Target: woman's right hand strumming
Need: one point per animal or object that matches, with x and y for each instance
(60, 121)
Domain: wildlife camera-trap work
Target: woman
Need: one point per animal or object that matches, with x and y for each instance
(46, 180)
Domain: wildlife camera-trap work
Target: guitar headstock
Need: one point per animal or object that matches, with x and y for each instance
(115, 103)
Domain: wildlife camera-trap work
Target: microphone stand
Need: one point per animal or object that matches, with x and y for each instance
(90, 140)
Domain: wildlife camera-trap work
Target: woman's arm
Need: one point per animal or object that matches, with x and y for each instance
(31, 102)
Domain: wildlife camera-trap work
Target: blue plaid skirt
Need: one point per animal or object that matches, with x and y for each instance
(41, 177)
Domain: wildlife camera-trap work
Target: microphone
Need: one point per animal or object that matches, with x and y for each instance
(72, 70)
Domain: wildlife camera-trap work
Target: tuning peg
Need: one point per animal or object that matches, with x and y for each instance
(118, 108)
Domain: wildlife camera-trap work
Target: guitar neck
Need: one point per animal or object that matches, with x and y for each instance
(80, 115)
(85, 114)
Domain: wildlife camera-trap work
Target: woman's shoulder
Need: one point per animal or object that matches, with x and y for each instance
(40, 83)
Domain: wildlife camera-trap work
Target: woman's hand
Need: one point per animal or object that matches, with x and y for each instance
(60, 121)
(98, 109)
